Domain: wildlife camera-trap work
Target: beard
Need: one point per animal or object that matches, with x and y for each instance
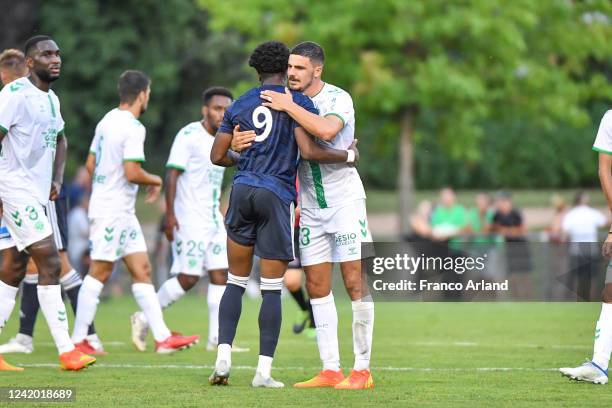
(46, 76)
(300, 88)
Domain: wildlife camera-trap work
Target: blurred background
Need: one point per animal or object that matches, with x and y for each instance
(475, 96)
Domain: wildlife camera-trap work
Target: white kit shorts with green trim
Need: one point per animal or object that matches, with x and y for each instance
(26, 221)
(333, 234)
(114, 238)
(196, 250)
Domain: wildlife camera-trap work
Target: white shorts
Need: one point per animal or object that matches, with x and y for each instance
(114, 238)
(333, 234)
(26, 222)
(195, 250)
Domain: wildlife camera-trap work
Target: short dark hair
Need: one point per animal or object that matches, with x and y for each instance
(131, 84)
(12, 58)
(208, 94)
(32, 42)
(271, 57)
(310, 50)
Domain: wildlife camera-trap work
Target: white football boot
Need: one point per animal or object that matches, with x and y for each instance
(140, 329)
(589, 372)
(19, 344)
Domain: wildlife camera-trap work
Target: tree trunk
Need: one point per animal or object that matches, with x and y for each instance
(405, 177)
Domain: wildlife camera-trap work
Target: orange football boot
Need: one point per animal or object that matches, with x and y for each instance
(357, 380)
(4, 366)
(326, 378)
(75, 360)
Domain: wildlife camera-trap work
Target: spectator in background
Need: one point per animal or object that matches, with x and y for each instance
(78, 236)
(448, 219)
(579, 227)
(481, 217)
(80, 186)
(420, 222)
(555, 230)
(508, 223)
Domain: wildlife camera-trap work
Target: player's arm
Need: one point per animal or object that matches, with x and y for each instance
(220, 153)
(323, 127)
(310, 150)
(90, 164)
(59, 165)
(134, 173)
(172, 176)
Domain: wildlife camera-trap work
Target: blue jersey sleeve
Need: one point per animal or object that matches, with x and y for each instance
(227, 125)
(305, 102)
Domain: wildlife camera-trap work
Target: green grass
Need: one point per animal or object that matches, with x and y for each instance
(381, 201)
(425, 354)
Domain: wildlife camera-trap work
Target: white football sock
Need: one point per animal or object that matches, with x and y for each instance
(224, 352)
(8, 294)
(326, 319)
(52, 306)
(603, 337)
(88, 300)
(264, 366)
(363, 327)
(170, 292)
(213, 298)
(145, 296)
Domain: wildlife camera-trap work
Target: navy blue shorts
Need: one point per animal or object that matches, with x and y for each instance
(258, 217)
(57, 212)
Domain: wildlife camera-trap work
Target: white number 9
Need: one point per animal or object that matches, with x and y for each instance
(266, 124)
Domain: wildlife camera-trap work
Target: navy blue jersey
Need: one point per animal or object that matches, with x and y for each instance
(271, 162)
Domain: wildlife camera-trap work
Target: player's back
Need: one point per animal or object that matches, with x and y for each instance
(271, 162)
(119, 138)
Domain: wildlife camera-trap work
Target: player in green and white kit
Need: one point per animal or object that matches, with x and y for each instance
(115, 162)
(194, 223)
(333, 220)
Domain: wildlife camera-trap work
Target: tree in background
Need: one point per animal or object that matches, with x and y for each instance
(453, 75)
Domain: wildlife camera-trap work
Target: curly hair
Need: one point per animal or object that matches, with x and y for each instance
(270, 57)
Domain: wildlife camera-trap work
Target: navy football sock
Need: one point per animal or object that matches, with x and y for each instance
(270, 318)
(230, 309)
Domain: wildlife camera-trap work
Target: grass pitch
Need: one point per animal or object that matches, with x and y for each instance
(425, 354)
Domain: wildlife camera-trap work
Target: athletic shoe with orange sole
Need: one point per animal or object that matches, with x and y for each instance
(326, 378)
(175, 342)
(357, 380)
(4, 366)
(75, 360)
(85, 347)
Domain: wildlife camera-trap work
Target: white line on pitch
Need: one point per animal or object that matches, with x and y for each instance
(244, 367)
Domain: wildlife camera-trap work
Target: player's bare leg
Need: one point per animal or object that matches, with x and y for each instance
(319, 285)
(240, 258)
(596, 370)
(363, 326)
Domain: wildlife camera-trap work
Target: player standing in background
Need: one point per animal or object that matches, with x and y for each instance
(115, 163)
(260, 215)
(333, 218)
(31, 173)
(194, 223)
(596, 370)
(12, 67)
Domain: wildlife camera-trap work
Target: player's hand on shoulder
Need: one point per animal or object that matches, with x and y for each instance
(242, 140)
(606, 248)
(276, 100)
(353, 147)
(55, 190)
(171, 224)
